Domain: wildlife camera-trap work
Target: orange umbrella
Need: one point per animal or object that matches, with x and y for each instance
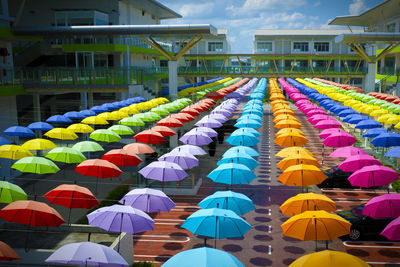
(170, 122)
(291, 139)
(7, 253)
(289, 130)
(163, 130)
(289, 151)
(296, 160)
(138, 148)
(284, 117)
(287, 124)
(302, 175)
(307, 201)
(283, 111)
(276, 96)
(183, 117)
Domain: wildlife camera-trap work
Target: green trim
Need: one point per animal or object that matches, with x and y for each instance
(9, 90)
(395, 50)
(207, 57)
(5, 32)
(327, 57)
(392, 79)
(70, 48)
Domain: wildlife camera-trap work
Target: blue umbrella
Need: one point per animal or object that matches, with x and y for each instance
(74, 115)
(109, 106)
(250, 116)
(354, 119)
(236, 202)
(58, 119)
(252, 111)
(216, 223)
(368, 124)
(374, 132)
(393, 152)
(4, 141)
(99, 109)
(246, 130)
(245, 139)
(232, 173)
(19, 131)
(386, 140)
(87, 113)
(241, 158)
(347, 112)
(203, 257)
(245, 149)
(40, 126)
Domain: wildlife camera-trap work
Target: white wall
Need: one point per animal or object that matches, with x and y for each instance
(131, 15)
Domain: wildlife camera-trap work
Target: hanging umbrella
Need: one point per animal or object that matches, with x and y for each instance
(170, 122)
(4, 141)
(38, 144)
(245, 139)
(392, 230)
(329, 258)
(132, 121)
(149, 137)
(80, 128)
(61, 133)
(121, 129)
(19, 131)
(393, 152)
(371, 176)
(163, 171)
(236, 202)
(87, 253)
(307, 201)
(241, 149)
(182, 158)
(384, 206)
(339, 140)
(36, 165)
(288, 124)
(58, 119)
(14, 152)
(40, 126)
(66, 155)
(327, 124)
(293, 139)
(203, 257)
(296, 160)
(347, 151)
(163, 130)
(105, 136)
(74, 115)
(7, 253)
(95, 120)
(239, 157)
(99, 168)
(194, 150)
(386, 140)
(354, 163)
(294, 150)
(374, 132)
(248, 123)
(241, 131)
(208, 122)
(148, 200)
(87, 146)
(288, 131)
(232, 173)
(302, 175)
(368, 124)
(122, 157)
(138, 148)
(10, 192)
(195, 138)
(327, 132)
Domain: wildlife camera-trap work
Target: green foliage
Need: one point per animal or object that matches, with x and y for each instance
(144, 264)
(112, 198)
(396, 186)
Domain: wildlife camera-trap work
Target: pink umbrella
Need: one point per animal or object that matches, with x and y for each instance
(385, 206)
(326, 124)
(354, 163)
(370, 176)
(315, 111)
(392, 230)
(339, 140)
(327, 132)
(318, 117)
(347, 151)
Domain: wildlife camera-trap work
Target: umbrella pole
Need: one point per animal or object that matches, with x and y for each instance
(323, 150)
(205, 241)
(70, 208)
(316, 239)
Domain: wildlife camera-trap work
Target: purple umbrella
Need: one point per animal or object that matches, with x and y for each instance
(163, 171)
(370, 176)
(385, 206)
(209, 131)
(339, 140)
(208, 122)
(347, 151)
(354, 163)
(191, 149)
(148, 200)
(197, 138)
(87, 253)
(227, 113)
(183, 159)
(121, 218)
(216, 116)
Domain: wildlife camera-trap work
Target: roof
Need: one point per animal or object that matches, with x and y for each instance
(222, 31)
(379, 13)
(368, 37)
(156, 8)
(301, 32)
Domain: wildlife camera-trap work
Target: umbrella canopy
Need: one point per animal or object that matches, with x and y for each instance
(148, 200)
(208, 122)
(105, 136)
(248, 123)
(374, 132)
(307, 201)
(163, 130)
(316, 225)
(66, 155)
(7, 253)
(339, 140)
(163, 171)
(244, 139)
(195, 138)
(329, 258)
(296, 160)
(241, 149)
(132, 121)
(87, 253)
(232, 173)
(40, 126)
(354, 163)
(327, 124)
(14, 152)
(138, 148)
(182, 158)
(149, 137)
(203, 257)
(289, 131)
(31, 213)
(170, 122)
(99, 168)
(121, 218)
(61, 133)
(291, 139)
(4, 141)
(385, 206)
(302, 175)
(216, 223)
(370, 176)
(239, 157)
(327, 132)
(10, 192)
(72, 196)
(36, 165)
(121, 129)
(80, 128)
(194, 150)
(386, 140)
(38, 144)
(95, 120)
(236, 202)
(393, 152)
(287, 124)
(59, 119)
(368, 124)
(347, 151)
(294, 150)
(122, 157)
(392, 230)
(87, 146)
(19, 131)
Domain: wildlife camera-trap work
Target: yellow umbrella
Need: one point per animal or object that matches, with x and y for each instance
(61, 133)
(379, 112)
(289, 130)
(287, 124)
(133, 109)
(393, 120)
(280, 106)
(316, 225)
(291, 139)
(302, 175)
(95, 120)
(289, 151)
(80, 128)
(276, 96)
(279, 101)
(385, 117)
(397, 126)
(329, 258)
(14, 152)
(307, 201)
(38, 144)
(296, 160)
(110, 116)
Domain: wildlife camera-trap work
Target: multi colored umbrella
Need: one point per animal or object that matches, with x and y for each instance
(148, 200)
(307, 201)
(236, 202)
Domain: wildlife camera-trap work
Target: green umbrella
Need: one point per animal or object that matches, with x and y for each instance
(36, 165)
(105, 136)
(10, 192)
(66, 155)
(121, 129)
(132, 121)
(160, 110)
(153, 115)
(144, 117)
(87, 146)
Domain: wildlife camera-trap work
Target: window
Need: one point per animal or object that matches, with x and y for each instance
(321, 46)
(300, 47)
(391, 27)
(215, 46)
(264, 47)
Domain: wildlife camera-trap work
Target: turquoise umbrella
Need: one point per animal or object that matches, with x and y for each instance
(245, 149)
(236, 202)
(248, 123)
(241, 158)
(232, 173)
(250, 117)
(246, 130)
(245, 139)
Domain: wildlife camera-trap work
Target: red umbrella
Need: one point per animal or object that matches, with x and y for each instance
(163, 130)
(214, 95)
(122, 158)
(138, 148)
(149, 137)
(99, 168)
(183, 117)
(72, 196)
(191, 111)
(170, 122)
(7, 253)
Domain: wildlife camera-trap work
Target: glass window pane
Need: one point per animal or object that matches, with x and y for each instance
(300, 47)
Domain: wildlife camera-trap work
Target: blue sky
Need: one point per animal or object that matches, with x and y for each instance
(242, 17)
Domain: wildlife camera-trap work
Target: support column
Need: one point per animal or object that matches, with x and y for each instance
(90, 100)
(370, 78)
(84, 102)
(36, 107)
(173, 79)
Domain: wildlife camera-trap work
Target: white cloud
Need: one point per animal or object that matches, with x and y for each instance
(357, 7)
(314, 17)
(251, 6)
(196, 10)
(318, 3)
